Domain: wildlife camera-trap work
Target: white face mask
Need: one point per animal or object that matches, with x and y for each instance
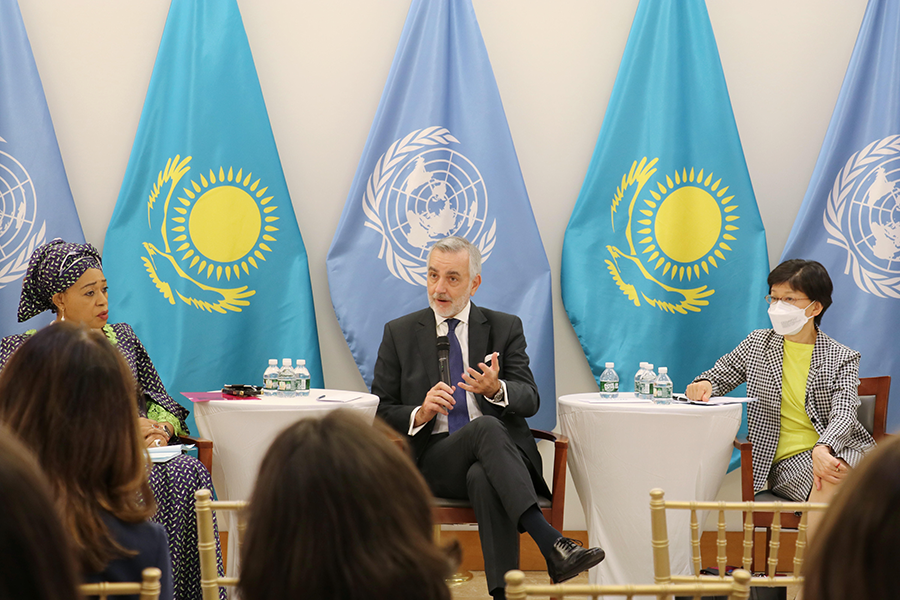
(788, 319)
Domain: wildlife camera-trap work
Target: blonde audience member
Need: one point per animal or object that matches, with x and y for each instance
(70, 397)
(857, 548)
(340, 512)
(36, 559)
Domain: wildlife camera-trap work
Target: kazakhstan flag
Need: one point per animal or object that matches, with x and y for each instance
(664, 258)
(203, 253)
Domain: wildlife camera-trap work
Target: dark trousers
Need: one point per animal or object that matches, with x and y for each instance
(481, 463)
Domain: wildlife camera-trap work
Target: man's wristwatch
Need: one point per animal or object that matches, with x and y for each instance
(498, 397)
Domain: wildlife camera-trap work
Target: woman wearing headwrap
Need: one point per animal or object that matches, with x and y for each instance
(68, 280)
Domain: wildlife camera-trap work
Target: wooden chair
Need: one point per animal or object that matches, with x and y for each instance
(210, 582)
(737, 588)
(658, 526)
(148, 588)
(204, 449)
(872, 413)
(450, 512)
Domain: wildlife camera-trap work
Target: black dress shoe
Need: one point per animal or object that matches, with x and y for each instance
(568, 559)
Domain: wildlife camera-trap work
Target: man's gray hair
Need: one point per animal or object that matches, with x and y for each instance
(454, 244)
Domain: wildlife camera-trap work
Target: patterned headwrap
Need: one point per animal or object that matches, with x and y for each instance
(53, 268)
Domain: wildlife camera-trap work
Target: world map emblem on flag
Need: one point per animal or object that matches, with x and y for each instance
(214, 230)
(19, 231)
(679, 226)
(422, 190)
(862, 216)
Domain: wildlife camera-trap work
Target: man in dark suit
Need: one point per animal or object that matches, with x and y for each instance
(470, 438)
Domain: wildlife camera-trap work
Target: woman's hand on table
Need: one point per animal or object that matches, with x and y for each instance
(699, 391)
(827, 466)
(155, 433)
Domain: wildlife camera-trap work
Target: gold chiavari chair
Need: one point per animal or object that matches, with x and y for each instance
(148, 588)
(210, 582)
(661, 567)
(736, 588)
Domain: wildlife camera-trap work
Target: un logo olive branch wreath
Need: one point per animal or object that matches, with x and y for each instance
(410, 271)
(877, 284)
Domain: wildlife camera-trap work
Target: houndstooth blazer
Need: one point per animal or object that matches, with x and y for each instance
(831, 396)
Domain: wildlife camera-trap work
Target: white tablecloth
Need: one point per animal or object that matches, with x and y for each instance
(243, 430)
(619, 451)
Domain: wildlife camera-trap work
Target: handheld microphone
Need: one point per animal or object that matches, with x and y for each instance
(443, 348)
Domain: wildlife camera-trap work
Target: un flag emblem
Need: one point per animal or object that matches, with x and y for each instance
(862, 216)
(420, 191)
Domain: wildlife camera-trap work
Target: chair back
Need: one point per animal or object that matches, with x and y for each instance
(872, 410)
(148, 588)
(735, 588)
(206, 542)
(661, 567)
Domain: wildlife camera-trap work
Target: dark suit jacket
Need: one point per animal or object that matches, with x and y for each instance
(150, 542)
(407, 367)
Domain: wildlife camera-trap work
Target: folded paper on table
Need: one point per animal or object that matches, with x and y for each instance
(714, 401)
(338, 397)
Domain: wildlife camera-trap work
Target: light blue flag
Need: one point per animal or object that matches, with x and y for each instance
(203, 253)
(664, 258)
(850, 217)
(35, 201)
(440, 161)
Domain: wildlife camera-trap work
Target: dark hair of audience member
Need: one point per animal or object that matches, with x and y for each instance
(70, 397)
(339, 511)
(807, 276)
(37, 559)
(857, 548)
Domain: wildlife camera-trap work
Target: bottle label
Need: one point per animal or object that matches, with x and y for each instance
(663, 391)
(303, 385)
(609, 386)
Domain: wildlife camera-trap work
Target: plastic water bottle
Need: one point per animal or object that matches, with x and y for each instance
(287, 379)
(662, 387)
(647, 381)
(609, 382)
(637, 380)
(302, 378)
(270, 378)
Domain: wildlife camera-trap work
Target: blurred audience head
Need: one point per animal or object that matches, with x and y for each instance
(71, 398)
(36, 559)
(340, 511)
(857, 548)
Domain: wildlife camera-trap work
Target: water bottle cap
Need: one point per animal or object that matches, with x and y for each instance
(650, 366)
(285, 362)
(663, 370)
(273, 361)
(610, 365)
(301, 362)
(643, 365)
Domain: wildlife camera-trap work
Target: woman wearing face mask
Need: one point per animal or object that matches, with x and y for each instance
(803, 426)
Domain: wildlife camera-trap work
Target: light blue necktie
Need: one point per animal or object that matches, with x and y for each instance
(459, 416)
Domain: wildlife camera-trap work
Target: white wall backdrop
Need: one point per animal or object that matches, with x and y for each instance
(322, 66)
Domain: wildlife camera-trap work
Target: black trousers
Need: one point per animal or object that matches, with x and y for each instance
(481, 463)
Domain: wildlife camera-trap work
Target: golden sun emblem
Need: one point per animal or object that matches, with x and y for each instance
(677, 229)
(684, 226)
(219, 224)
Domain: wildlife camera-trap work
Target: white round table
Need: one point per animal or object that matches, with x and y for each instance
(620, 450)
(242, 431)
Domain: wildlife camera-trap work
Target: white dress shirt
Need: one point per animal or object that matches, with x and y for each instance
(462, 334)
